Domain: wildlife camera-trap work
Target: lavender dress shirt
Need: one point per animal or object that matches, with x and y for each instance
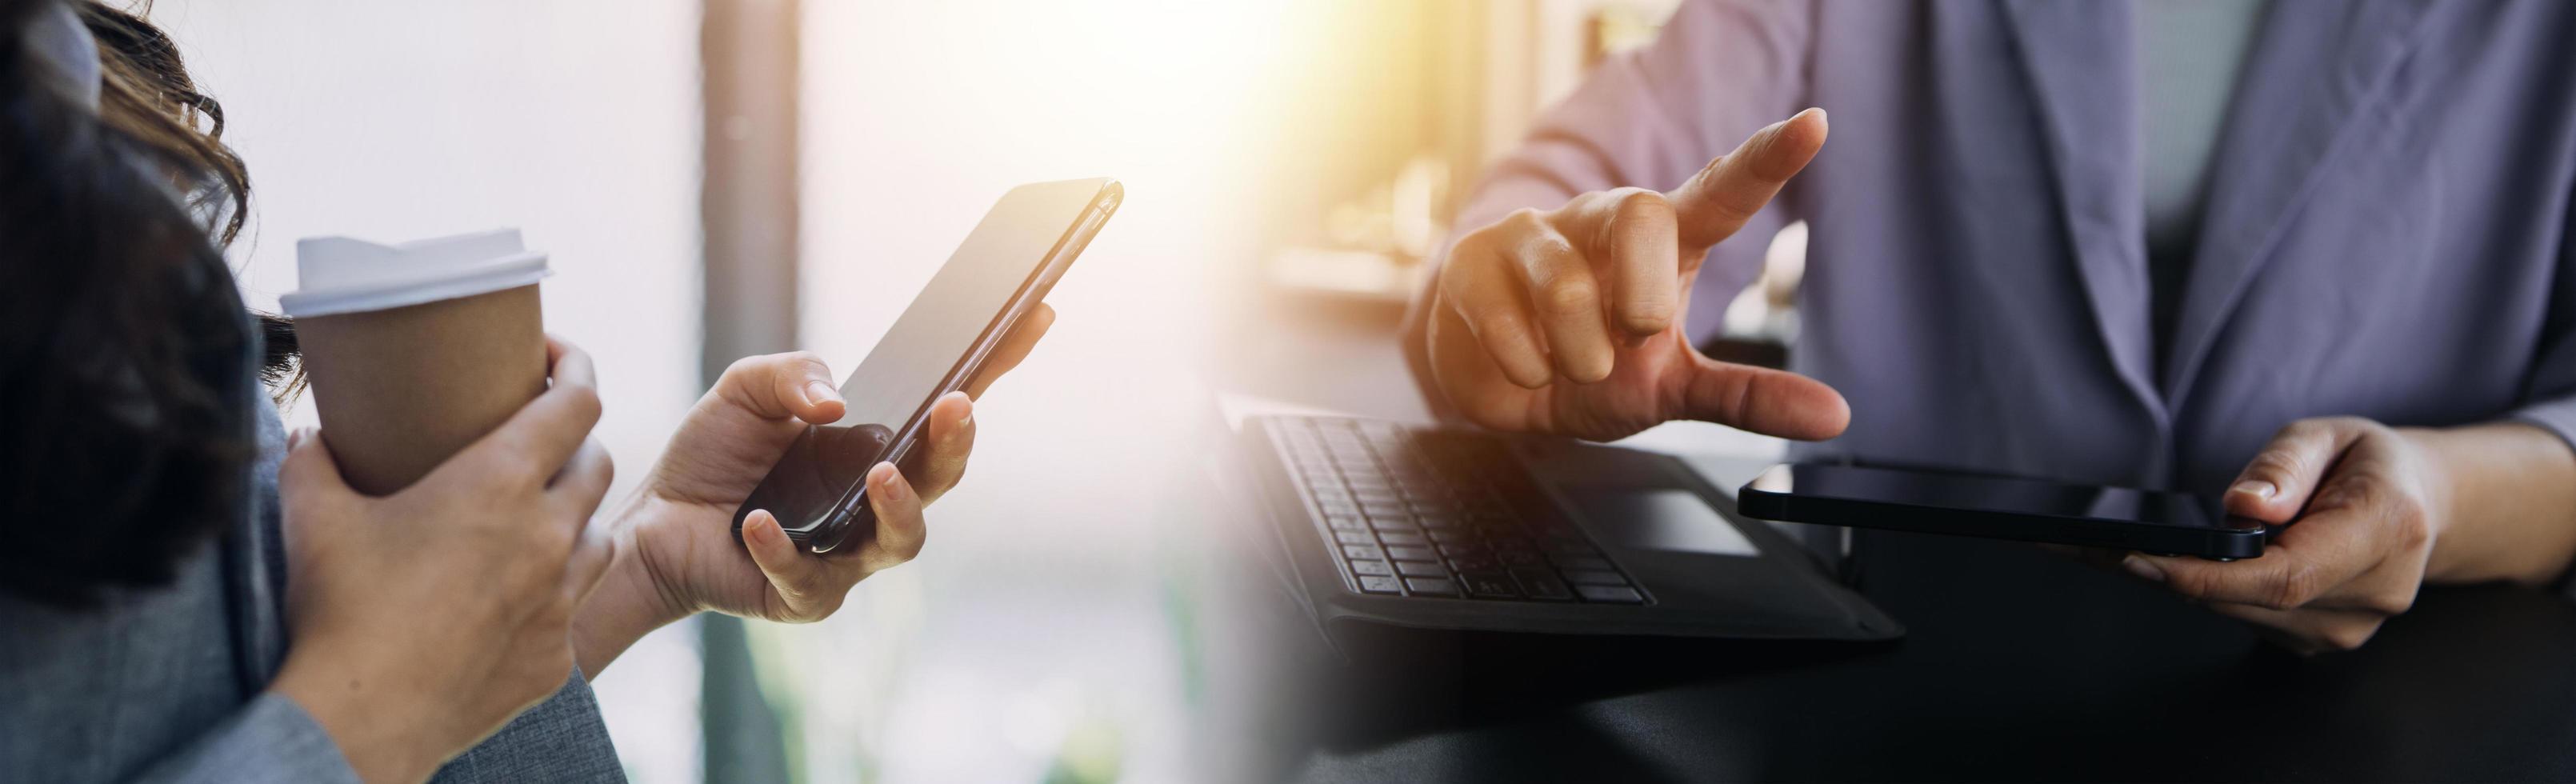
(2386, 231)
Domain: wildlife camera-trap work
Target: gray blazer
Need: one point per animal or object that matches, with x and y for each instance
(169, 685)
(2387, 232)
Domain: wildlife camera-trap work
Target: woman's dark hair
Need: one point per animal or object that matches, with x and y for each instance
(128, 376)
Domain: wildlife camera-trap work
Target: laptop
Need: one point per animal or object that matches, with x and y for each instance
(1452, 528)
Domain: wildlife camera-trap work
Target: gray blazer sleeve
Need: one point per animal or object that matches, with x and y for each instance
(269, 739)
(273, 739)
(560, 740)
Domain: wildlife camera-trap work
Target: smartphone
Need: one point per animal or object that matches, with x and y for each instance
(818, 489)
(2163, 523)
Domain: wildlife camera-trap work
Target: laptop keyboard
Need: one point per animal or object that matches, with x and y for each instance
(1436, 513)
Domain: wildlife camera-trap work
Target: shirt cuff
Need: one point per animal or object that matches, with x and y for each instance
(2559, 417)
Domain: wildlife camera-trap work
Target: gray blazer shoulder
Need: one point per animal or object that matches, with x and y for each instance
(170, 684)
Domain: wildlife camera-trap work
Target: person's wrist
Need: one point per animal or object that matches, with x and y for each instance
(2440, 482)
(633, 598)
(350, 709)
(2442, 494)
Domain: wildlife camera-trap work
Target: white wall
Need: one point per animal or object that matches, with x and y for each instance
(576, 120)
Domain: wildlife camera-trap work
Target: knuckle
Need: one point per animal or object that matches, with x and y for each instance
(2295, 589)
(1636, 215)
(1639, 203)
(1500, 332)
(742, 368)
(554, 541)
(584, 402)
(2348, 636)
(2408, 517)
(2299, 428)
(1525, 220)
(1649, 314)
(2392, 603)
(515, 471)
(2191, 584)
(1568, 296)
(2349, 491)
(806, 362)
(2276, 465)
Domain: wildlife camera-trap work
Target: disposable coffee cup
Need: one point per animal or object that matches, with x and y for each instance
(415, 350)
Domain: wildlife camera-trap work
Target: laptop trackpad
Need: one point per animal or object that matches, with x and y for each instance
(1670, 519)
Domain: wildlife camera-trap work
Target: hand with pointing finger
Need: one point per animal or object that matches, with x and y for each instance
(1569, 321)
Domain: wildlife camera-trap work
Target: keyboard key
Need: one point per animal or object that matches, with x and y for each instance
(1362, 552)
(1341, 523)
(1371, 567)
(1388, 510)
(1541, 584)
(1519, 558)
(1580, 562)
(1470, 563)
(1456, 547)
(1572, 548)
(1392, 525)
(1410, 554)
(1437, 586)
(1446, 535)
(1380, 584)
(1611, 594)
(1406, 539)
(1420, 569)
(1353, 537)
(1494, 585)
(1594, 577)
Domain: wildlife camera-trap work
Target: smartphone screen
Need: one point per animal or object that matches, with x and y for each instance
(1001, 269)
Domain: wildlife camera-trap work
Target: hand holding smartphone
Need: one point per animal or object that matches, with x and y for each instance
(817, 490)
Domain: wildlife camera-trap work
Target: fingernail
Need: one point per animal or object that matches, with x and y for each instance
(821, 392)
(2256, 488)
(295, 438)
(2143, 569)
(884, 479)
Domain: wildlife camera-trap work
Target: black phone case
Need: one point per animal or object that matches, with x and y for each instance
(852, 514)
(2215, 544)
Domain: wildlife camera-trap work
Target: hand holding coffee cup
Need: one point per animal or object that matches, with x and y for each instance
(416, 350)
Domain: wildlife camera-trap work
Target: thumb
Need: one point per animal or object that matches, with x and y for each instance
(1717, 201)
(308, 473)
(2276, 484)
(310, 494)
(1762, 400)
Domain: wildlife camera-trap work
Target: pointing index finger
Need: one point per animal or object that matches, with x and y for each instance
(1717, 201)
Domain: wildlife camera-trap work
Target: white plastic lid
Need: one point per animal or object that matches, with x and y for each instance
(344, 275)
